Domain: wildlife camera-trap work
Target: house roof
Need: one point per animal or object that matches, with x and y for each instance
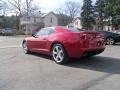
(45, 14)
(62, 18)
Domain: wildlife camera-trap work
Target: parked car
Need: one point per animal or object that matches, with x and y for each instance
(111, 37)
(63, 43)
(117, 31)
(7, 31)
(0, 31)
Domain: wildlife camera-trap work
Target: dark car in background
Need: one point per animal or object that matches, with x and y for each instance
(117, 31)
(0, 31)
(7, 31)
(111, 37)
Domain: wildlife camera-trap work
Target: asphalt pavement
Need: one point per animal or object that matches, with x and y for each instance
(19, 71)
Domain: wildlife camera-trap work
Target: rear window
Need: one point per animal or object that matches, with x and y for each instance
(74, 29)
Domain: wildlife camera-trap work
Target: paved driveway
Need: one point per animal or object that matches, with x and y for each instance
(38, 72)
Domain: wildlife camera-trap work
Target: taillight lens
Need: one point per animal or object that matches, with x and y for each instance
(84, 36)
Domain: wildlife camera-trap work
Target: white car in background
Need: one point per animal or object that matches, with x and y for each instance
(7, 31)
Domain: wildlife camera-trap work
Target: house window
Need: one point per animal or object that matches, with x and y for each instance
(51, 20)
(34, 20)
(76, 23)
(28, 18)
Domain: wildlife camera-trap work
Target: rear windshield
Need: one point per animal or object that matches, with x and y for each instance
(74, 29)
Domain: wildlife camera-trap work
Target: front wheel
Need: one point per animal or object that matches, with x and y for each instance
(25, 48)
(59, 54)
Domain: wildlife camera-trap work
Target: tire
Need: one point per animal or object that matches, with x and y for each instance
(59, 54)
(110, 41)
(94, 53)
(25, 48)
(91, 55)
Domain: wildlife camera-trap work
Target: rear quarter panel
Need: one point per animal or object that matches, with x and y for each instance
(70, 41)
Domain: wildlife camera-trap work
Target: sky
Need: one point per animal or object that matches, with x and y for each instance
(52, 5)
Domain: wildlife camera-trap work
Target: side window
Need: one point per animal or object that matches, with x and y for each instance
(51, 31)
(40, 33)
(45, 32)
(51, 20)
(34, 20)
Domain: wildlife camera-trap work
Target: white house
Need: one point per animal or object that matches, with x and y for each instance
(76, 23)
(29, 23)
(50, 19)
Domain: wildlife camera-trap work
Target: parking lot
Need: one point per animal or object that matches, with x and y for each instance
(38, 72)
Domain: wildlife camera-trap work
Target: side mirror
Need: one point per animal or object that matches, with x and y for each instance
(34, 35)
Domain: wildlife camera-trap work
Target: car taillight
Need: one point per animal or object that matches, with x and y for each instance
(84, 36)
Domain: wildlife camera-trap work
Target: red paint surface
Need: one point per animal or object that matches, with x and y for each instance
(75, 44)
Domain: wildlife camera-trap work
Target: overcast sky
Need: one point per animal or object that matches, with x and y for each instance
(52, 5)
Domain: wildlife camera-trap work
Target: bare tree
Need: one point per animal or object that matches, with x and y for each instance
(72, 8)
(3, 8)
(64, 19)
(16, 6)
(30, 7)
(23, 7)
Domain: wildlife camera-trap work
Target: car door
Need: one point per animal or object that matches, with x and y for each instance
(44, 39)
(40, 40)
(47, 38)
(36, 41)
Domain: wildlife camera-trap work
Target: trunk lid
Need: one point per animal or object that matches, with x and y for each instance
(92, 39)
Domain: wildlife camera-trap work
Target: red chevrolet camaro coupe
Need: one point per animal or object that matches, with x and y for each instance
(63, 43)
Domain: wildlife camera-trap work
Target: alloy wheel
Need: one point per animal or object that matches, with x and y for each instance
(110, 41)
(25, 48)
(58, 54)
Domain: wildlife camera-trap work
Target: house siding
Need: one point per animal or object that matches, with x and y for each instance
(77, 23)
(46, 20)
(50, 20)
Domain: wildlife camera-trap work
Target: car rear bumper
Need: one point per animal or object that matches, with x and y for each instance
(93, 51)
(76, 50)
(86, 51)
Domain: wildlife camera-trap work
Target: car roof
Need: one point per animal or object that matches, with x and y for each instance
(58, 28)
(62, 29)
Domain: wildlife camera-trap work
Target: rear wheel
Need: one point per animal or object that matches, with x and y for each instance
(94, 53)
(59, 54)
(25, 48)
(110, 41)
(91, 55)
